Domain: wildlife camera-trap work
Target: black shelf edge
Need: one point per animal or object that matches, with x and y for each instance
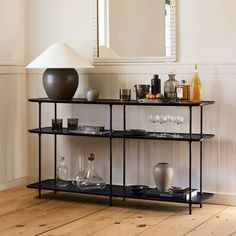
(121, 134)
(118, 102)
(117, 191)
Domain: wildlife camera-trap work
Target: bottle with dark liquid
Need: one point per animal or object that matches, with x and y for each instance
(155, 85)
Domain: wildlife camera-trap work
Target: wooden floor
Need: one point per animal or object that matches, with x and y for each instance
(22, 213)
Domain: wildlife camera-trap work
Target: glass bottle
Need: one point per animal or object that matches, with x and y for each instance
(183, 91)
(196, 87)
(62, 174)
(92, 180)
(80, 174)
(170, 87)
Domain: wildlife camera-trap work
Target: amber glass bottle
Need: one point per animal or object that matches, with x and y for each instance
(196, 87)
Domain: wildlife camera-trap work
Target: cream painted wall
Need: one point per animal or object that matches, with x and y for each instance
(205, 36)
(13, 94)
(12, 31)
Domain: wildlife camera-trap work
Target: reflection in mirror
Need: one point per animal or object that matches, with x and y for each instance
(131, 30)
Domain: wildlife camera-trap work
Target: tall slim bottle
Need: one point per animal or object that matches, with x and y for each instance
(196, 87)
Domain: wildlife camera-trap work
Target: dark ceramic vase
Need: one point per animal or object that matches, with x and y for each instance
(60, 83)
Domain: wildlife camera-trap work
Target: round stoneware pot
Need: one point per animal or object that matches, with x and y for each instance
(60, 83)
(163, 174)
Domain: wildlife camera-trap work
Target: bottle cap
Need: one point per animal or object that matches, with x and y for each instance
(156, 76)
(91, 156)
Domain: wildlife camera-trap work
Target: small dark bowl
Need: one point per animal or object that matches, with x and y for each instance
(137, 188)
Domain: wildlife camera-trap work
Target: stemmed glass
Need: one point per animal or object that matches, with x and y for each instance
(163, 120)
(179, 120)
(152, 118)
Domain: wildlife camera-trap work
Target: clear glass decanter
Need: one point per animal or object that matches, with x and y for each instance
(170, 87)
(62, 174)
(80, 174)
(92, 180)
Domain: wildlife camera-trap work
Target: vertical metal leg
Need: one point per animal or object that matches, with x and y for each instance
(39, 151)
(124, 150)
(201, 151)
(190, 177)
(190, 160)
(110, 139)
(55, 147)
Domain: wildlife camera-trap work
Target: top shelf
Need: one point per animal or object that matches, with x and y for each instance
(118, 102)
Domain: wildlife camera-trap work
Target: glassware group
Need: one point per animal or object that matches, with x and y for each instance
(84, 180)
(164, 120)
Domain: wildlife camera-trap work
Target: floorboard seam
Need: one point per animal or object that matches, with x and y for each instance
(69, 222)
(205, 221)
(156, 224)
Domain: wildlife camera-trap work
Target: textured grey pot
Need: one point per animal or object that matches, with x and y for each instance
(60, 83)
(163, 174)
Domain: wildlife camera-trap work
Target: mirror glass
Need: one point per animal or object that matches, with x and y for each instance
(135, 30)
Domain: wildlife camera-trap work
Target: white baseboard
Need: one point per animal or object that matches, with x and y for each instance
(13, 183)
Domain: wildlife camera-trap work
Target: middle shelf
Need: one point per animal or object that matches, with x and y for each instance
(122, 134)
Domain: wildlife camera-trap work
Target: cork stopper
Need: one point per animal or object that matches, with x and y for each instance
(91, 157)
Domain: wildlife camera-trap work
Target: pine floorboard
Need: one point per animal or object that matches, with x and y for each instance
(62, 214)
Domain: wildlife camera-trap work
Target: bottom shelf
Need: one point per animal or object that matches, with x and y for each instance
(117, 191)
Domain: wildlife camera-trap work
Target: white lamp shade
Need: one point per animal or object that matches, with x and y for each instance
(59, 55)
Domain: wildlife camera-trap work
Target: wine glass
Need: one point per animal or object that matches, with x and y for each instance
(152, 118)
(173, 120)
(179, 121)
(158, 119)
(163, 120)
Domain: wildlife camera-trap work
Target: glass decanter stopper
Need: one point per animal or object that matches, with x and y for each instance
(62, 174)
(92, 180)
(80, 174)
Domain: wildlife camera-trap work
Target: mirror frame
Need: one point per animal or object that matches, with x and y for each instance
(158, 59)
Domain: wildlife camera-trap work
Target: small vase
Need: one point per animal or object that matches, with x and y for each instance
(163, 174)
(92, 94)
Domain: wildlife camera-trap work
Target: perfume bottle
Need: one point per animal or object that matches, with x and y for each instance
(62, 174)
(80, 174)
(92, 180)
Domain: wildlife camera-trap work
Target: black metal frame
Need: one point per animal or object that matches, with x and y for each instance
(115, 190)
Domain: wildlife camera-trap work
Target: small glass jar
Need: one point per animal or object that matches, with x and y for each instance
(183, 91)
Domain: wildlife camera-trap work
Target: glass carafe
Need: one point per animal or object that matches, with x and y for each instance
(80, 174)
(92, 180)
(62, 174)
(170, 87)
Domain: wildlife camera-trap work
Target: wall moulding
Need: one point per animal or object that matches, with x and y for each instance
(12, 69)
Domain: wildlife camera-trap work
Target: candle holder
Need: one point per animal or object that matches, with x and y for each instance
(72, 123)
(57, 124)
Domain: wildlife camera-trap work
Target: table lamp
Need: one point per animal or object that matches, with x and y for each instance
(60, 79)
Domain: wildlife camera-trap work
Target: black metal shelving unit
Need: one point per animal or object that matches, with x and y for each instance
(121, 190)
